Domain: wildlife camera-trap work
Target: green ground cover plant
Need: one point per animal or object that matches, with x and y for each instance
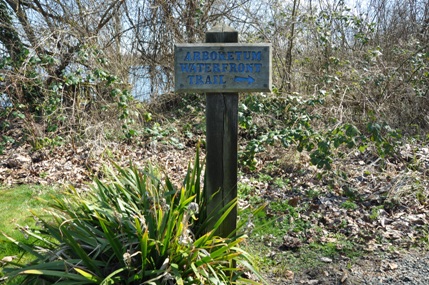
(17, 212)
(132, 229)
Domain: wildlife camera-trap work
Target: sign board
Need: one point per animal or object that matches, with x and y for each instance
(222, 67)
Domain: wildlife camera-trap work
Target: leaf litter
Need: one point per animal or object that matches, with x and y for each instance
(381, 206)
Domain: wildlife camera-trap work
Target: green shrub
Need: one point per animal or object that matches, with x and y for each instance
(132, 230)
(283, 121)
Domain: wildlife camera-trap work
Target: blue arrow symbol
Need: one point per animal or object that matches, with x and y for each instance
(248, 79)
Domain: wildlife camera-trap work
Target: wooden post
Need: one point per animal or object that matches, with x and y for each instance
(221, 143)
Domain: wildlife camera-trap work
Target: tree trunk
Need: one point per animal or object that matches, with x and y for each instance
(290, 47)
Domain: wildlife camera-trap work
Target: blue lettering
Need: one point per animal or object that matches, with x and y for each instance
(216, 67)
(258, 67)
(191, 77)
(192, 68)
(197, 55)
(233, 67)
(208, 81)
(246, 55)
(222, 55)
(208, 67)
(205, 55)
(188, 56)
(241, 67)
(213, 55)
(238, 54)
(184, 67)
(256, 55)
(199, 80)
(224, 67)
(200, 67)
(249, 67)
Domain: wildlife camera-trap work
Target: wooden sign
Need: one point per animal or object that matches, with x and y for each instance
(222, 67)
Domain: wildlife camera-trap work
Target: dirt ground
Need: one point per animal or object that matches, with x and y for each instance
(389, 224)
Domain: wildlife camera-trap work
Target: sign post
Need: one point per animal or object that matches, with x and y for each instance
(221, 145)
(221, 68)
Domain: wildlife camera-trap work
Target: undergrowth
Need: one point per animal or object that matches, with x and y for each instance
(132, 229)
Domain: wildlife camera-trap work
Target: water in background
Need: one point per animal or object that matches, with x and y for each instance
(144, 86)
(148, 82)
